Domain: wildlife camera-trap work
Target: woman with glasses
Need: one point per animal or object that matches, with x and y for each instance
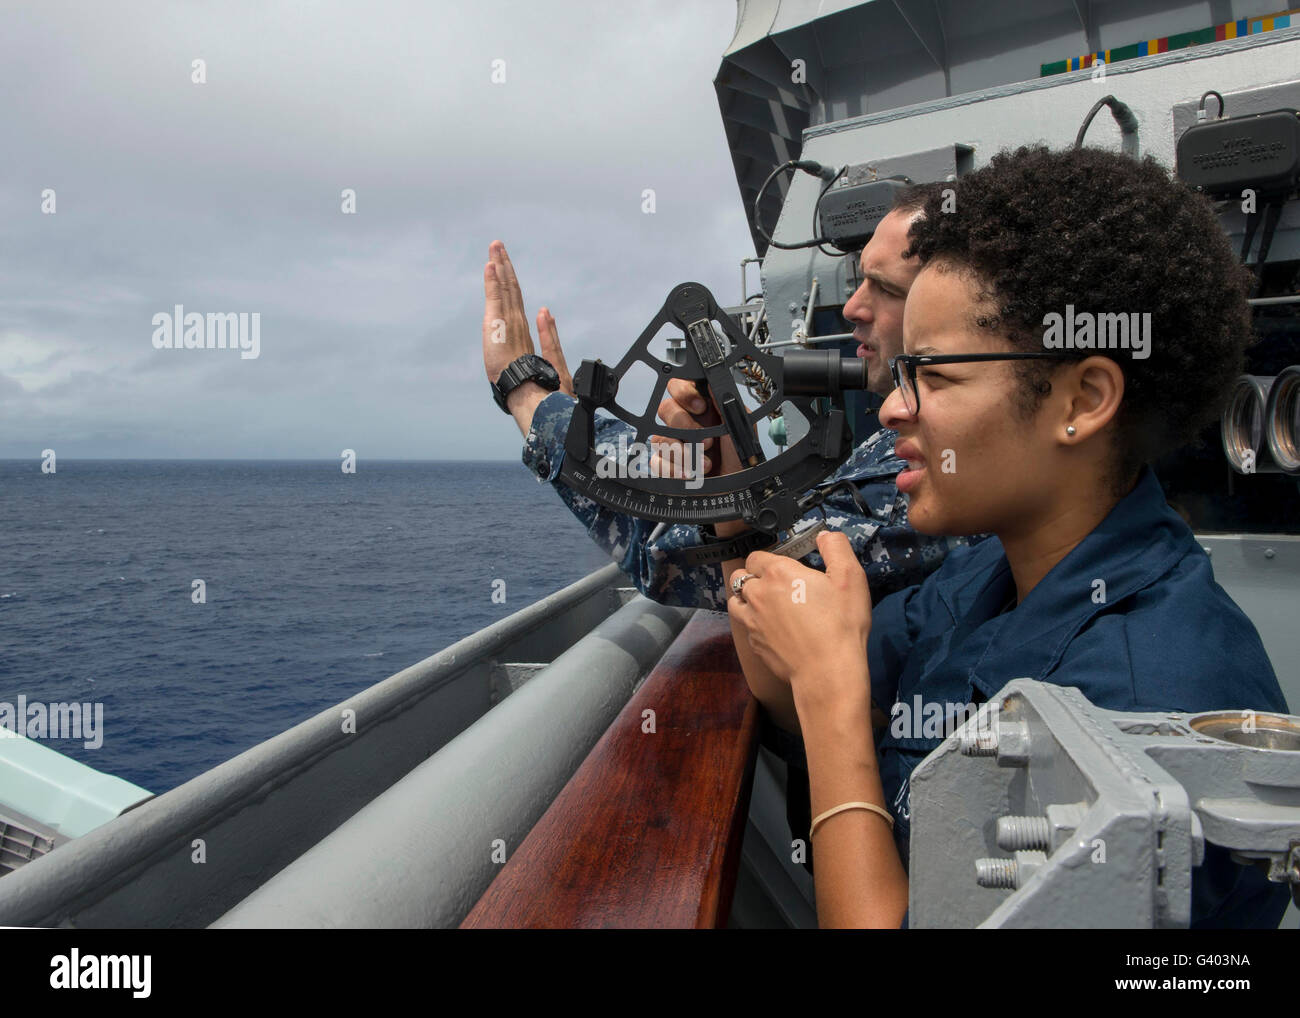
(1093, 580)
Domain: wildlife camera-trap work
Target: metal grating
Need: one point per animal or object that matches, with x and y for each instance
(19, 845)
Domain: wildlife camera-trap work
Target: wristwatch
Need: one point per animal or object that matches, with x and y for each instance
(528, 368)
(714, 549)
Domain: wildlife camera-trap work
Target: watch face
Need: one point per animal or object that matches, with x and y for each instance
(540, 370)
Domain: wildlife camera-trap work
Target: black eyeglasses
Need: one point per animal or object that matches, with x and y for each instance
(903, 368)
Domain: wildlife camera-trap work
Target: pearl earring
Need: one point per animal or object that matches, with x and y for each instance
(1069, 429)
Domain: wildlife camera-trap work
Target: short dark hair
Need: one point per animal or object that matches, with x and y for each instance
(913, 197)
(1038, 229)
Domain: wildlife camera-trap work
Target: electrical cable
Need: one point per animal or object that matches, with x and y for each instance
(1124, 117)
(1201, 107)
(808, 166)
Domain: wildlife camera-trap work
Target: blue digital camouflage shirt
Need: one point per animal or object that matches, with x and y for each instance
(894, 555)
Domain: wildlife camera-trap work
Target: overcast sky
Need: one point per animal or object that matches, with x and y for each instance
(226, 197)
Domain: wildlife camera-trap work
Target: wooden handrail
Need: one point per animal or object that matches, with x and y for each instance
(647, 833)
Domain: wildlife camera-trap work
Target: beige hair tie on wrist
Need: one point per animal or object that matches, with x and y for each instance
(851, 805)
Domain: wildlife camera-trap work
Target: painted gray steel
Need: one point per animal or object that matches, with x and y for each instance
(253, 815)
(1262, 574)
(1161, 89)
(422, 853)
(806, 65)
(1074, 816)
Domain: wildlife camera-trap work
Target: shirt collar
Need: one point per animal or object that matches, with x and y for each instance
(1140, 539)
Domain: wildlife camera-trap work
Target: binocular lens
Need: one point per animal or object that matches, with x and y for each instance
(1242, 426)
(1282, 420)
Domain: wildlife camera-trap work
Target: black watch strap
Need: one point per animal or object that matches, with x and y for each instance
(528, 368)
(734, 547)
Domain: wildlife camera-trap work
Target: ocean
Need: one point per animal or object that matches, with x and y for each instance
(317, 584)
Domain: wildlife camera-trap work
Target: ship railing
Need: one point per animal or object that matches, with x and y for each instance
(648, 832)
(389, 809)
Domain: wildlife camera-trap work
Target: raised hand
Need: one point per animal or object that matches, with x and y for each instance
(506, 336)
(505, 326)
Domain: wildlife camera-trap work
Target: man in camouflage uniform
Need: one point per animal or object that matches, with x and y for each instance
(893, 554)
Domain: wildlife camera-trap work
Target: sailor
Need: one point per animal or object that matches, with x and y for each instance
(1091, 580)
(893, 554)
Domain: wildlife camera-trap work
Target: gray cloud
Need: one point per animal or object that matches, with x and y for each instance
(225, 197)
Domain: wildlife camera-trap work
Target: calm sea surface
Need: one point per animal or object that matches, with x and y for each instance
(318, 584)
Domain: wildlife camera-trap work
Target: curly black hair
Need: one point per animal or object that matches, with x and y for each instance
(1038, 229)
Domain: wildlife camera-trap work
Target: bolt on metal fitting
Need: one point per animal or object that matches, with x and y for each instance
(995, 872)
(979, 742)
(1024, 832)
(1009, 873)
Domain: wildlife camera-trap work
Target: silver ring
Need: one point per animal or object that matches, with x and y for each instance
(738, 581)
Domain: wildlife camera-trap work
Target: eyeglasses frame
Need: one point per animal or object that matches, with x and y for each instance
(912, 361)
